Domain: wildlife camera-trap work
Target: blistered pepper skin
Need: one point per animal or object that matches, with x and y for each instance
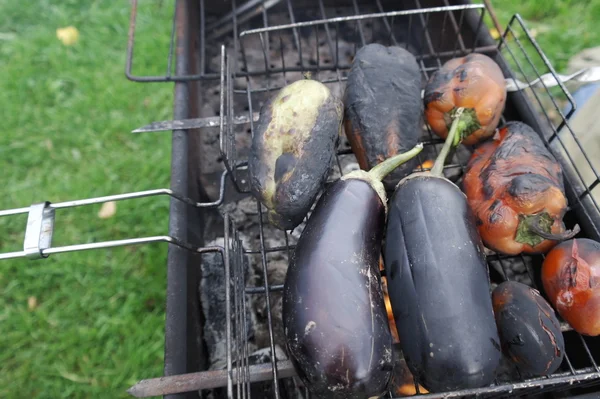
(511, 177)
(474, 82)
(571, 279)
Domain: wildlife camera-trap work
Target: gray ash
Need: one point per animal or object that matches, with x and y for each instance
(212, 298)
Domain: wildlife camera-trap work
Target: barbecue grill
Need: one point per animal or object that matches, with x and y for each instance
(229, 58)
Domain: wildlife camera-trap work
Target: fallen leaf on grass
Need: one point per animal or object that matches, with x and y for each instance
(107, 210)
(76, 154)
(68, 36)
(75, 378)
(7, 36)
(494, 33)
(32, 303)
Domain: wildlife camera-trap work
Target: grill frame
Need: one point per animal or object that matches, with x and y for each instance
(522, 107)
(185, 351)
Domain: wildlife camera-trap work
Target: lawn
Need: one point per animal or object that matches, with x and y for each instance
(81, 324)
(90, 324)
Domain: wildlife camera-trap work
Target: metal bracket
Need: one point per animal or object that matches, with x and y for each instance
(40, 227)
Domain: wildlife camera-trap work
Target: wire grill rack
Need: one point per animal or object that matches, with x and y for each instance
(267, 44)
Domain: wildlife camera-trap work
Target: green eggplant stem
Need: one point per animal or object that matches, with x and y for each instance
(453, 140)
(380, 171)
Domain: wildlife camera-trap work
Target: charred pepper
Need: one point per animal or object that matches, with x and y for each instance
(515, 188)
(475, 83)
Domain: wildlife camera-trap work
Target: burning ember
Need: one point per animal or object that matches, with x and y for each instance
(428, 164)
(403, 382)
(388, 308)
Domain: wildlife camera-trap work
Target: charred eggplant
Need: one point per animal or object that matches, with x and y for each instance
(515, 188)
(529, 330)
(475, 83)
(293, 148)
(334, 317)
(571, 278)
(383, 109)
(438, 282)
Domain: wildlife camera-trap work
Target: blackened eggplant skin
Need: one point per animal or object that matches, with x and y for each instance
(439, 286)
(383, 107)
(529, 330)
(334, 316)
(293, 148)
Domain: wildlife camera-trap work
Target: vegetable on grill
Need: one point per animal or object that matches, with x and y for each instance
(334, 317)
(571, 279)
(529, 330)
(383, 107)
(293, 148)
(475, 83)
(514, 186)
(438, 282)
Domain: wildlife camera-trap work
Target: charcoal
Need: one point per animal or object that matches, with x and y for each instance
(512, 268)
(289, 388)
(212, 298)
(507, 371)
(276, 271)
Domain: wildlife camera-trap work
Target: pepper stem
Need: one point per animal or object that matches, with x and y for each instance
(536, 228)
(380, 171)
(452, 140)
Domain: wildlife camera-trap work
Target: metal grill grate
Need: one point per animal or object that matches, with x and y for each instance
(267, 44)
(516, 49)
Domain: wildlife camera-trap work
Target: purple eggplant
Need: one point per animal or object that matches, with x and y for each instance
(438, 282)
(334, 317)
(529, 330)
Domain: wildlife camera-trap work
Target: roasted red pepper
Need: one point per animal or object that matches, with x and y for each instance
(571, 278)
(514, 186)
(475, 83)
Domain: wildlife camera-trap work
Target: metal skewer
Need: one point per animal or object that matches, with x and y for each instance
(587, 75)
(195, 123)
(205, 380)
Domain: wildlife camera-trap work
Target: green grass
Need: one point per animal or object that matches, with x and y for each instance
(66, 117)
(67, 113)
(561, 27)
